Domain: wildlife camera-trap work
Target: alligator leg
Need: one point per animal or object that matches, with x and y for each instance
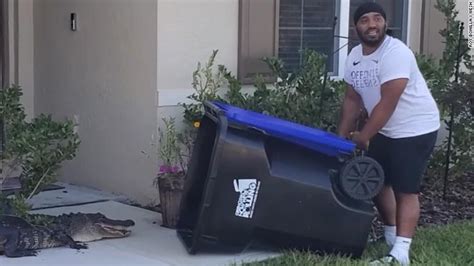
(11, 245)
(67, 240)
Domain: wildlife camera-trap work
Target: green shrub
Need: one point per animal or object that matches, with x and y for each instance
(308, 97)
(38, 146)
(453, 98)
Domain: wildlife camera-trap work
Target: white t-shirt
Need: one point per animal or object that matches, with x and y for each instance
(416, 112)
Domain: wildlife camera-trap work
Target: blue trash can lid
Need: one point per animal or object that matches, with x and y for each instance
(313, 138)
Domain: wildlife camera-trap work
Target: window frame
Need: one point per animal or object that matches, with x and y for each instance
(342, 11)
(336, 42)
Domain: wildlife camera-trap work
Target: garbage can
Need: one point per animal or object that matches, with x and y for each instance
(254, 177)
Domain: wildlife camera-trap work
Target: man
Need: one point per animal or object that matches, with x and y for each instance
(383, 77)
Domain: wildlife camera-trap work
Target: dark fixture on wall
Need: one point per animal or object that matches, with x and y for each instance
(73, 21)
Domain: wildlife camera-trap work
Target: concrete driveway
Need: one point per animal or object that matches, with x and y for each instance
(149, 243)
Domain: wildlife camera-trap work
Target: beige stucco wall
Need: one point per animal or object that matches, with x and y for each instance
(25, 73)
(12, 48)
(104, 74)
(432, 42)
(433, 22)
(107, 75)
(21, 45)
(188, 31)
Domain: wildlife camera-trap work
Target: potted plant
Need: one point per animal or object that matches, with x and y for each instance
(172, 171)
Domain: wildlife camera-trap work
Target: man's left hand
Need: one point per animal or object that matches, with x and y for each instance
(359, 139)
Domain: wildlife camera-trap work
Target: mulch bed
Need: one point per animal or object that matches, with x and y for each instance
(458, 205)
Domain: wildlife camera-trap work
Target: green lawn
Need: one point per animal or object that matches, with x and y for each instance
(442, 245)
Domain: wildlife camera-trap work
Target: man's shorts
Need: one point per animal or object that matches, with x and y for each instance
(403, 160)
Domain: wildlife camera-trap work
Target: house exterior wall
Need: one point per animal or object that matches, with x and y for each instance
(462, 6)
(91, 75)
(24, 59)
(104, 76)
(433, 22)
(181, 45)
(20, 45)
(188, 32)
(127, 66)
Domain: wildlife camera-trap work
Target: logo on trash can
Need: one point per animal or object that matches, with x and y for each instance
(248, 189)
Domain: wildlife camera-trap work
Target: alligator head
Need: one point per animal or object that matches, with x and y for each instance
(86, 227)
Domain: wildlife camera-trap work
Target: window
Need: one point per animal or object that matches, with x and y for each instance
(395, 11)
(306, 24)
(282, 28)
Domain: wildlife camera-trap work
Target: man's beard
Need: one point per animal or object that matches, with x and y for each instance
(371, 42)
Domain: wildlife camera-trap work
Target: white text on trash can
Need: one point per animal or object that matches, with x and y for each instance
(248, 189)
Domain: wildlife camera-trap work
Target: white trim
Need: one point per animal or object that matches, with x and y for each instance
(408, 29)
(343, 31)
(157, 53)
(173, 97)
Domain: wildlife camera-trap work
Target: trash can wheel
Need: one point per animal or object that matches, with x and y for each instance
(361, 178)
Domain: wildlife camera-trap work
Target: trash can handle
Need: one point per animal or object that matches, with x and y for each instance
(259, 130)
(213, 109)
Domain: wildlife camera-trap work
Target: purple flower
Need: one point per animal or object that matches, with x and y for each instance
(167, 169)
(175, 169)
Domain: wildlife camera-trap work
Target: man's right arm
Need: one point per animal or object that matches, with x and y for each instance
(351, 108)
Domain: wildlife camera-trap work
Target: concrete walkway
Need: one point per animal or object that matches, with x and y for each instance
(149, 243)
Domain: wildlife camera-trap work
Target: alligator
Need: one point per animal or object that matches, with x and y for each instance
(24, 237)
